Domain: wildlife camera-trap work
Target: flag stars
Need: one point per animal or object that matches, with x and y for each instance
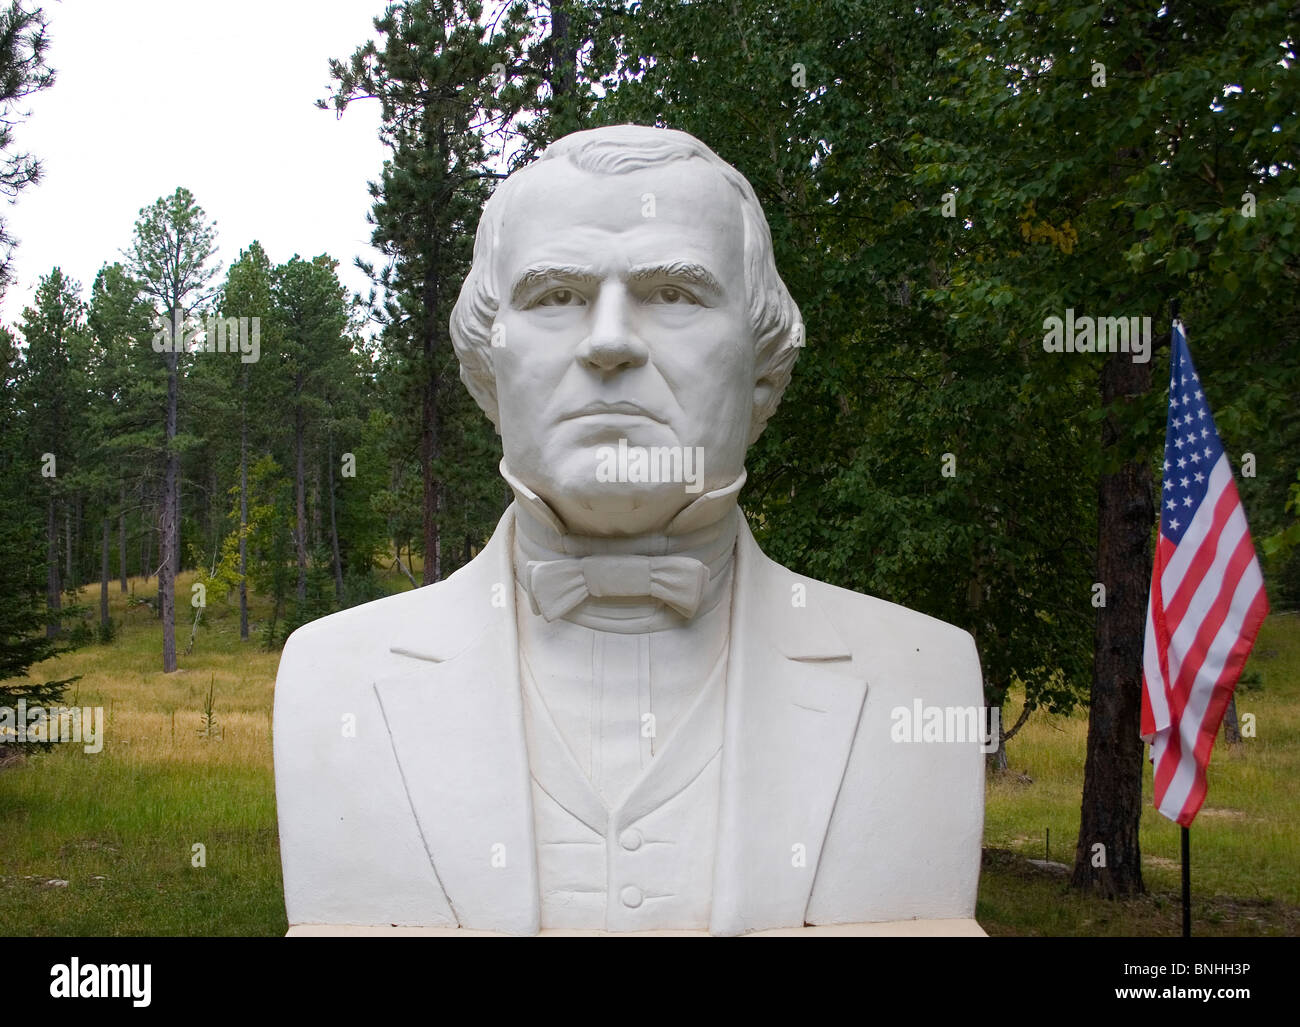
(1187, 501)
(1183, 483)
(1181, 463)
(1171, 504)
(1174, 524)
(1199, 477)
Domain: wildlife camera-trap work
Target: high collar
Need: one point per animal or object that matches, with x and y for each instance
(705, 530)
(685, 531)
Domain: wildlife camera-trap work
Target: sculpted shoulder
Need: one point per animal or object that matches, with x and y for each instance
(354, 647)
(905, 651)
(904, 839)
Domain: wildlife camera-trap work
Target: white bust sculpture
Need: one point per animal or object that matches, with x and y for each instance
(620, 715)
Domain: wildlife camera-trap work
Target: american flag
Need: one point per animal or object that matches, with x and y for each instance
(1207, 597)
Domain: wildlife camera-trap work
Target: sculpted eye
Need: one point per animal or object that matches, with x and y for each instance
(561, 298)
(670, 294)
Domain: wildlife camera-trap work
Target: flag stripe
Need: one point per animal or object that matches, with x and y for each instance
(1188, 753)
(1191, 639)
(1198, 672)
(1223, 689)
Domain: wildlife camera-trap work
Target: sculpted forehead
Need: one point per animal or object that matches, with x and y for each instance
(561, 213)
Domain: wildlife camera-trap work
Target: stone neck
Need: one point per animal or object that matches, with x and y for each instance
(705, 530)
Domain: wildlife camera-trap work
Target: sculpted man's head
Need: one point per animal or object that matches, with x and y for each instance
(623, 290)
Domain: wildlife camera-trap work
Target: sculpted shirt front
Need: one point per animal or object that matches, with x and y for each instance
(623, 709)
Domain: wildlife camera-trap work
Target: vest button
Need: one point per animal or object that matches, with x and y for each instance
(630, 839)
(631, 896)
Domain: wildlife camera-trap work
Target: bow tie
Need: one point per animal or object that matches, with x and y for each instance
(557, 586)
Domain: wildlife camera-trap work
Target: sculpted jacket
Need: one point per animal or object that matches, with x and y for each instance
(403, 781)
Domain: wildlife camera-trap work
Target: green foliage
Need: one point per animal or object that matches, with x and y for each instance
(23, 610)
(171, 253)
(24, 40)
(210, 728)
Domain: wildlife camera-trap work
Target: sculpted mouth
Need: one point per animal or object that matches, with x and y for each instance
(621, 407)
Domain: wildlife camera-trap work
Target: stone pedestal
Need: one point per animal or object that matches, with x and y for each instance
(889, 929)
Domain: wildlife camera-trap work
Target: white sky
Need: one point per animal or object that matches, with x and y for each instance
(215, 96)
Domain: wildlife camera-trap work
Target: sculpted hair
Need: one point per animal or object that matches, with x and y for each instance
(617, 150)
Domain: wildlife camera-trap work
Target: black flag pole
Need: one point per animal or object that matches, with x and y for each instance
(1186, 832)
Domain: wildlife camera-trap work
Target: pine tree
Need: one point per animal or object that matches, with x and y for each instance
(23, 605)
(437, 75)
(171, 257)
(52, 391)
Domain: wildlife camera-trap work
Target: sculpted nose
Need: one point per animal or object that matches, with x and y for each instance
(612, 344)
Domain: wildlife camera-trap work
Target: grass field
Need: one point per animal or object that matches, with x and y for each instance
(104, 844)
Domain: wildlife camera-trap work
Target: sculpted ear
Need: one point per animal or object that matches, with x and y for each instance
(773, 378)
(766, 390)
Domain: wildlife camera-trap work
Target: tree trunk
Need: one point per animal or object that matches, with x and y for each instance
(1112, 784)
(315, 507)
(80, 509)
(563, 52)
(145, 537)
(162, 547)
(243, 519)
(176, 546)
(121, 537)
(996, 761)
(429, 435)
(300, 489)
(104, 576)
(1232, 726)
(53, 589)
(428, 447)
(334, 528)
(168, 561)
(68, 576)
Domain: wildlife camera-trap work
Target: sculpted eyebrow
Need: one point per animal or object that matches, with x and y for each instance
(542, 274)
(678, 270)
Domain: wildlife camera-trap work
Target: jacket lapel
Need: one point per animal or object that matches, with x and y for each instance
(456, 724)
(792, 709)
